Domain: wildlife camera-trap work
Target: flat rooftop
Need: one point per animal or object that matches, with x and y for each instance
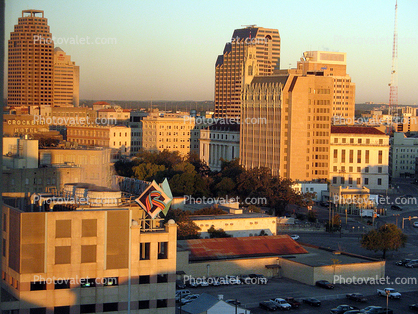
(323, 257)
(230, 216)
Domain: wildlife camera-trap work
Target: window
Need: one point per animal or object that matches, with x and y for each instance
(380, 157)
(358, 181)
(367, 157)
(63, 229)
(334, 180)
(143, 280)
(359, 156)
(87, 308)
(88, 283)
(343, 155)
(162, 250)
(379, 181)
(37, 285)
(143, 304)
(161, 303)
(351, 156)
(110, 307)
(342, 181)
(39, 310)
(379, 169)
(62, 255)
(89, 228)
(4, 248)
(366, 170)
(366, 181)
(335, 154)
(144, 253)
(62, 310)
(350, 181)
(88, 253)
(62, 284)
(4, 223)
(161, 278)
(110, 281)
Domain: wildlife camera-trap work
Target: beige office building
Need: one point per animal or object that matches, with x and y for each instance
(332, 64)
(88, 261)
(66, 80)
(359, 158)
(30, 61)
(175, 133)
(258, 44)
(285, 125)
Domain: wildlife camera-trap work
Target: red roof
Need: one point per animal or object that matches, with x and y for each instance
(230, 248)
(356, 130)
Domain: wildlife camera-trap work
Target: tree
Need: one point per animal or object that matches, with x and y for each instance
(217, 233)
(311, 215)
(186, 228)
(387, 238)
(335, 224)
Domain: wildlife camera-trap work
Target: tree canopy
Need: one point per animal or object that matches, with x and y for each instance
(387, 238)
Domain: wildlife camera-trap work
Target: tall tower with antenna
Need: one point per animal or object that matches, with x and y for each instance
(393, 96)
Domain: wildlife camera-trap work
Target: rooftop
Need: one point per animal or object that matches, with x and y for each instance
(355, 130)
(230, 216)
(242, 247)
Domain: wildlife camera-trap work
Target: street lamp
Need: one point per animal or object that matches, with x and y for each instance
(387, 301)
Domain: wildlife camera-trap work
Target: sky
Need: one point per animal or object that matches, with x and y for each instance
(166, 50)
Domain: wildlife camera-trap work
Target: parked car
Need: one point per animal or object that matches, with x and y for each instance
(396, 207)
(392, 293)
(377, 310)
(324, 204)
(403, 262)
(356, 297)
(324, 284)
(180, 284)
(355, 312)
(295, 304)
(281, 304)
(340, 309)
(412, 264)
(295, 237)
(233, 302)
(413, 307)
(268, 305)
(312, 301)
(189, 298)
(415, 224)
(181, 294)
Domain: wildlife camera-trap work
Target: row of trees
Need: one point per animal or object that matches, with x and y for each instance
(191, 176)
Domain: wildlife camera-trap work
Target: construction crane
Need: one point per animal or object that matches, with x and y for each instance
(393, 95)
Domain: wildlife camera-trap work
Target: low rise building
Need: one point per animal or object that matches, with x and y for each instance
(359, 156)
(316, 188)
(78, 261)
(240, 225)
(219, 142)
(403, 154)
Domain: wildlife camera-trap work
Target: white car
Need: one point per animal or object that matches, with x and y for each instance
(295, 237)
(415, 224)
(189, 298)
(281, 304)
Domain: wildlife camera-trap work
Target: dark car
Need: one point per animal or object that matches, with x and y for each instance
(355, 312)
(324, 204)
(295, 304)
(268, 305)
(340, 309)
(403, 262)
(412, 264)
(324, 284)
(356, 297)
(180, 284)
(258, 279)
(414, 307)
(396, 207)
(312, 301)
(377, 310)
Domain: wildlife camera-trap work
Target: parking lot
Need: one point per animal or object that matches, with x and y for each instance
(251, 295)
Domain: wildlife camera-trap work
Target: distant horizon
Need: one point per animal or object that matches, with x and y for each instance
(170, 51)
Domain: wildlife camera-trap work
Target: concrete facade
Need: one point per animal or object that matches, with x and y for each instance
(47, 267)
(403, 154)
(66, 80)
(359, 157)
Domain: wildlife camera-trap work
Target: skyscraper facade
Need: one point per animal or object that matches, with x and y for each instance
(259, 49)
(30, 61)
(66, 80)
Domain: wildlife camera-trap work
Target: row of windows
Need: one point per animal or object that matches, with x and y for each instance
(358, 181)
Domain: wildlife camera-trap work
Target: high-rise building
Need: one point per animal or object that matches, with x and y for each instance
(30, 61)
(333, 64)
(66, 80)
(259, 49)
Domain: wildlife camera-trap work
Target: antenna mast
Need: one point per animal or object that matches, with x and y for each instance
(393, 96)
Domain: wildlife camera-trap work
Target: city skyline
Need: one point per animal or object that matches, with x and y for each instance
(159, 46)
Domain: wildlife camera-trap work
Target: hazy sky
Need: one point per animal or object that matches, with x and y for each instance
(166, 50)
